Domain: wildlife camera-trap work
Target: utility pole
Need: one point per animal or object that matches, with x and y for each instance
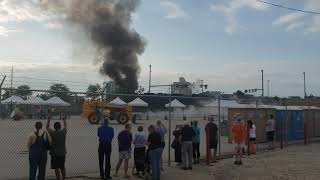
(262, 84)
(150, 79)
(304, 85)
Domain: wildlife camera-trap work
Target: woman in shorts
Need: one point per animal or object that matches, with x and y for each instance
(252, 136)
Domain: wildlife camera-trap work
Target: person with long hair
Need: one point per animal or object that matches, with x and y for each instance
(155, 148)
(252, 136)
(38, 144)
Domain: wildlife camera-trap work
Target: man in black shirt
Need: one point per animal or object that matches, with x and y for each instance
(212, 131)
(187, 135)
(155, 149)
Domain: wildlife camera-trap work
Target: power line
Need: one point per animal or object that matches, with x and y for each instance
(52, 80)
(289, 8)
(48, 83)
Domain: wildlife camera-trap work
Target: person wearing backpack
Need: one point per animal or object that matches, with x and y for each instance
(38, 146)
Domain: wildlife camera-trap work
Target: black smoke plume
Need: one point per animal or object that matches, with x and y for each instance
(107, 24)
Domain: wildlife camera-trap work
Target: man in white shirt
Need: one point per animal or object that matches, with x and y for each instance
(270, 129)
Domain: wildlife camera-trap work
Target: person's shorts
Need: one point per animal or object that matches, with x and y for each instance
(124, 155)
(239, 145)
(252, 139)
(58, 162)
(270, 136)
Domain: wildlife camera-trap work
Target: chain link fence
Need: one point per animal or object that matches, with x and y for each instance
(19, 114)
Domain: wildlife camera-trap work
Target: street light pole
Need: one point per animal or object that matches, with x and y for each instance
(304, 85)
(150, 79)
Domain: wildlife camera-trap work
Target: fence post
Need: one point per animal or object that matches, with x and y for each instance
(219, 123)
(256, 118)
(248, 140)
(0, 102)
(305, 124)
(286, 125)
(281, 135)
(169, 145)
(208, 153)
(4, 78)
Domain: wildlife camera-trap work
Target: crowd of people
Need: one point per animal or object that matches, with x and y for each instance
(245, 132)
(187, 140)
(147, 150)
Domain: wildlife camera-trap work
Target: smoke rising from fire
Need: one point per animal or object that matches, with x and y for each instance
(107, 24)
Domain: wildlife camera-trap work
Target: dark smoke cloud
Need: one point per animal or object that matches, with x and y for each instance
(107, 23)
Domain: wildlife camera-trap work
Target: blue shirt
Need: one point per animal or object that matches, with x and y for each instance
(124, 141)
(197, 134)
(105, 133)
(140, 140)
(162, 132)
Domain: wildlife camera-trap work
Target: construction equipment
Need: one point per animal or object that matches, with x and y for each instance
(95, 111)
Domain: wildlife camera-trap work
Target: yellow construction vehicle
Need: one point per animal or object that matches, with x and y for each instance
(95, 111)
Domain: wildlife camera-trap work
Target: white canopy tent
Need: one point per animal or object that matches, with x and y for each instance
(117, 101)
(229, 104)
(33, 100)
(175, 104)
(138, 103)
(56, 101)
(13, 99)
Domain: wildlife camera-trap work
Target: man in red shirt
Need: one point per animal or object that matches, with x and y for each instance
(238, 134)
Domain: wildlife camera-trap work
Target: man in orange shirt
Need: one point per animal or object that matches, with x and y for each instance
(239, 134)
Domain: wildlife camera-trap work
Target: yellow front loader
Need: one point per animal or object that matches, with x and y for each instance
(95, 111)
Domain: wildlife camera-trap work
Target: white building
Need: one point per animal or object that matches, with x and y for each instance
(182, 87)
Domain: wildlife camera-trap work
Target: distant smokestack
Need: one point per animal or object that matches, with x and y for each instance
(107, 23)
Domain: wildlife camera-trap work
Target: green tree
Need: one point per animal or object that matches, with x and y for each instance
(239, 93)
(23, 91)
(6, 94)
(61, 91)
(93, 91)
(44, 96)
